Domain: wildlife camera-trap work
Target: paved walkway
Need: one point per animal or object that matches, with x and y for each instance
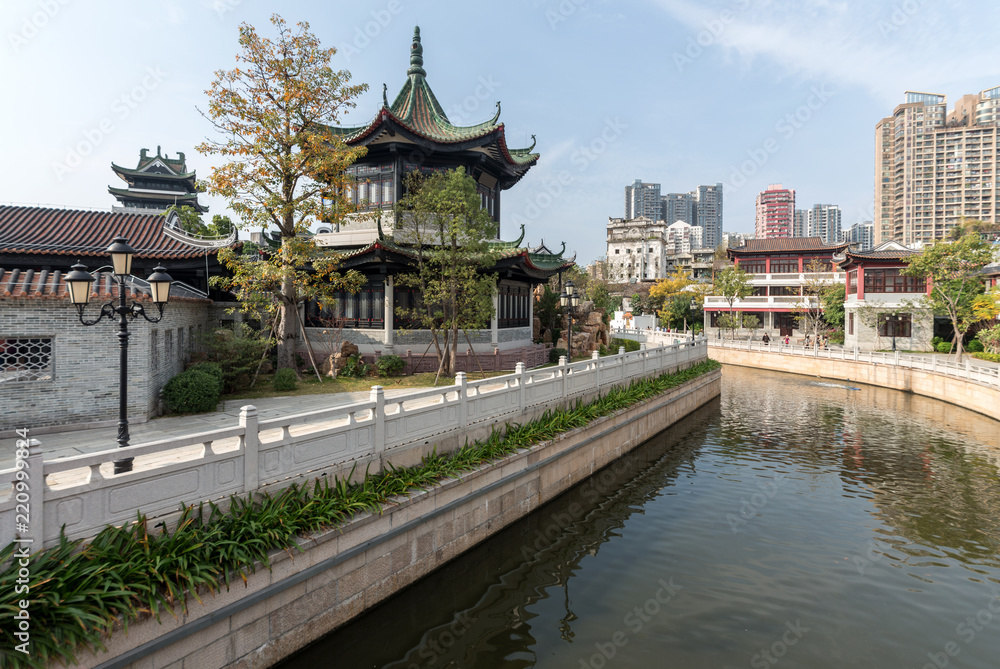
(77, 442)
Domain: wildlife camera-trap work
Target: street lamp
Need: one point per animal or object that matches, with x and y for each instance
(693, 306)
(895, 320)
(79, 282)
(569, 299)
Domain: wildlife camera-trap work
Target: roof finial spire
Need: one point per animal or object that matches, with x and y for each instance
(416, 55)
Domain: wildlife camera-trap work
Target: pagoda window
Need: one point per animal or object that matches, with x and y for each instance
(387, 191)
(784, 265)
(362, 193)
(376, 193)
(754, 266)
(513, 306)
(852, 282)
(349, 193)
(362, 310)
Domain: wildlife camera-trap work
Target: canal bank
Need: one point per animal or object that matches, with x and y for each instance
(983, 397)
(342, 573)
(796, 519)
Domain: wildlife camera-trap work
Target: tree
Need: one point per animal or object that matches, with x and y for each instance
(833, 297)
(189, 219)
(221, 226)
(273, 112)
(810, 308)
(441, 218)
(733, 284)
(953, 270)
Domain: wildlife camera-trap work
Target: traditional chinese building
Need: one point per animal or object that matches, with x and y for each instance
(414, 134)
(880, 306)
(155, 184)
(779, 268)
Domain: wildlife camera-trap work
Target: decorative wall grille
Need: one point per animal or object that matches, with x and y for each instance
(25, 359)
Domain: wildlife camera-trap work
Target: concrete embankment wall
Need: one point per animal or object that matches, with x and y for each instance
(343, 572)
(977, 397)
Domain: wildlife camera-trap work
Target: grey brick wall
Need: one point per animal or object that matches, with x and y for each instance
(84, 383)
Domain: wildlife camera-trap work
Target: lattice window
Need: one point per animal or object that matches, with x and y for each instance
(25, 359)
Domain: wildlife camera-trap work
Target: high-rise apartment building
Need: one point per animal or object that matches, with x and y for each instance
(800, 226)
(643, 200)
(708, 214)
(775, 212)
(860, 235)
(678, 207)
(823, 221)
(932, 167)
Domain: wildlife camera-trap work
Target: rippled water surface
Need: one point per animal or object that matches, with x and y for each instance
(795, 523)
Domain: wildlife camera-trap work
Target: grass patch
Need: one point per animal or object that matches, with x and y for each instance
(80, 593)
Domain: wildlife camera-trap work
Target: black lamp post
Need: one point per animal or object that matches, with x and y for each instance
(894, 320)
(569, 299)
(79, 282)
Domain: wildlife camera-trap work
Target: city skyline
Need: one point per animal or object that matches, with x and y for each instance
(753, 94)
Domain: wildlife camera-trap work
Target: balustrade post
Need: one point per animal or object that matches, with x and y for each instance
(35, 534)
(251, 448)
(896, 358)
(643, 355)
(968, 368)
(562, 374)
(522, 396)
(595, 365)
(933, 364)
(378, 417)
(621, 354)
(462, 389)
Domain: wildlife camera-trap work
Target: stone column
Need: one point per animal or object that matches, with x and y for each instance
(495, 321)
(388, 307)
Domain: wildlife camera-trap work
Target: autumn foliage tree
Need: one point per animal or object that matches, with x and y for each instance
(284, 167)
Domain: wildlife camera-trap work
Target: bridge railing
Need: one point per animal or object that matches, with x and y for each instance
(967, 370)
(83, 494)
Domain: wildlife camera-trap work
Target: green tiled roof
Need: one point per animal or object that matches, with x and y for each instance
(183, 176)
(417, 108)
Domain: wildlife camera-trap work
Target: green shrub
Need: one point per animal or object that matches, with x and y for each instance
(212, 369)
(603, 351)
(285, 379)
(355, 368)
(237, 352)
(935, 341)
(192, 391)
(629, 345)
(992, 357)
(944, 347)
(389, 365)
(556, 353)
(837, 337)
(974, 346)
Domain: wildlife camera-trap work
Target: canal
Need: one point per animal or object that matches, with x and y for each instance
(793, 523)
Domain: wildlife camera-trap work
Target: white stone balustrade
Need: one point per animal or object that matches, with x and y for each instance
(83, 494)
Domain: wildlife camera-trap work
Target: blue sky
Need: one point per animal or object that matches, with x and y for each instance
(743, 92)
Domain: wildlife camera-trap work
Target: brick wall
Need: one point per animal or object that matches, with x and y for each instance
(83, 387)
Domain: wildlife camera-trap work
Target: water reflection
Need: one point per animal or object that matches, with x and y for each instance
(797, 520)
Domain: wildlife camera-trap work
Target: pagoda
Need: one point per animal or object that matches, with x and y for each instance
(414, 134)
(155, 184)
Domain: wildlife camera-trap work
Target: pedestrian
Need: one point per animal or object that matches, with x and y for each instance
(786, 340)
(766, 339)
